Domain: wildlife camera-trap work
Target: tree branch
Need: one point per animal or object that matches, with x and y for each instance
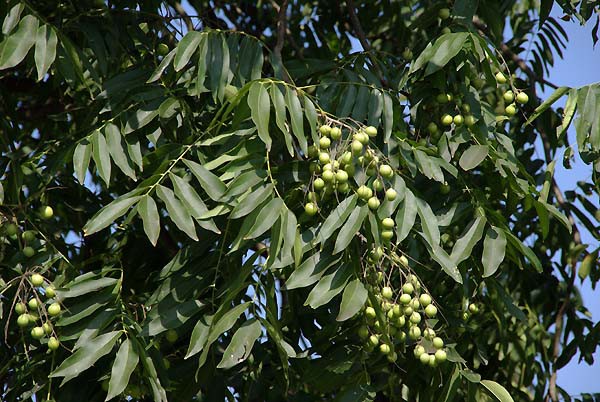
(281, 32)
(181, 11)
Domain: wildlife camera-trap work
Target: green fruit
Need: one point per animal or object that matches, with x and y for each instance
(356, 147)
(469, 121)
(390, 194)
(373, 203)
(414, 333)
(47, 212)
(437, 342)
(429, 333)
(12, 229)
(432, 128)
(414, 303)
(415, 318)
(510, 110)
(386, 235)
(377, 185)
(53, 343)
(419, 350)
(328, 176)
(324, 158)
(371, 171)
(408, 288)
(54, 309)
(324, 143)
(28, 236)
(458, 120)
(388, 223)
(408, 310)
(374, 340)
(314, 167)
(171, 336)
(407, 54)
(425, 300)
(364, 192)
(424, 358)
(440, 356)
(473, 308)
(466, 108)
(20, 308)
(386, 171)
(522, 98)
(405, 298)
(392, 357)
(23, 320)
(162, 49)
(47, 328)
(370, 312)
(500, 78)
(404, 261)
(446, 119)
(384, 349)
(432, 361)
(341, 176)
(363, 332)
(508, 96)
(397, 310)
(363, 138)
(444, 189)
(343, 187)
(431, 311)
(310, 209)
(387, 292)
(336, 133)
(28, 252)
(318, 184)
(441, 98)
(371, 131)
(401, 320)
(313, 151)
(444, 13)
(446, 30)
(346, 158)
(325, 130)
(33, 304)
(377, 253)
(37, 280)
(37, 332)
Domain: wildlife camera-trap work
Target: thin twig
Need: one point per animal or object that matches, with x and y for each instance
(281, 29)
(181, 11)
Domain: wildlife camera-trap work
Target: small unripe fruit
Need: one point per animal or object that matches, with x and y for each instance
(343, 187)
(37, 280)
(432, 361)
(441, 98)
(469, 120)
(374, 340)
(405, 298)
(33, 304)
(446, 30)
(386, 171)
(438, 343)
(23, 320)
(313, 151)
(20, 308)
(324, 143)
(444, 13)
(392, 357)
(522, 98)
(397, 310)
(47, 212)
(387, 223)
(363, 332)
(425, 300)
(325, 130)
(324, 158)
(328, 176)
(327, 166)
(364, 192)
(424, 358)
(429, 333)
(310, 209)
(401, 321)
(384, 348)
(54, 309)
(28, 252)
(336, 133)
(458, 120)
(377, 185)
(386, 235)
(404, 261)
(28, 236)
(510, 110)
(314, 167)
(373, 203)
(346, 158)
(408, 288)
(371, 171)
(500, 78)
(53, 343)
(446, 119)
(371, 131)
(361, 137)
(171, 336)
(407, 54)
(431, 311)
(414, 303)
(408, 310)
(466, 108)
(432, 128)
(390, 194)
(414, 333)
(415, 318)
(440, 356)
(473, 308)
(387, 293)
(12, 229)
(508, 96)
(356, 147)
(370, 312)
(444, 189)
(162, 49)
(341, 176)
(37, 332)
(318, 184)
(47, 328)
(419, 350)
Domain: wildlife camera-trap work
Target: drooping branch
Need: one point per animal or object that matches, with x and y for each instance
(281, 32)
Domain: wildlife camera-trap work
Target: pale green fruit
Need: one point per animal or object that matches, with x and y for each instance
(425, 300)
(53, 343)
(324, 143)
(500, 78)
(387, 292)
(373, 203)
(386, 235)
(319, 183)
(522, 98)
(419, 350)
(408, 288)
(33, 304)
(370, 312)
(508, 96)
(424, 358)
(37, 332)
(310, 209)
(387, 223)
(384, 349)
(405, 298)
(458, 120)
(438, 343)
(440, 356)
(446, 119)
(390, 194)
(325, 130)
(54, 309)
(386, 171)
(37, 280)
(371, 131)
(356, 147)
(415, 318)
(431, 311)
(324, 158)
(374, 340)
(23, 320)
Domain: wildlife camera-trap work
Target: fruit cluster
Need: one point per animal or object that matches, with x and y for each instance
(392, 320)
(36, 312)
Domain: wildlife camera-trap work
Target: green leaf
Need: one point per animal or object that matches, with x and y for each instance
(260, 108)
(45, 49)
(186, 48)
(473, 156)
(494, 248)
(310, 271)
(497, 390)
(172, 317)
(337, 217)
(107, 215)
(12, 18)
(81, 159)
(251, 201)
(329, 286)
(280, 116)
(162, 66)
(186, 193)
(113, 138)
(213, 186)
(296, 115)
(428, 166)
(353, 299)
(150, 218)
(405, 218)
(441, 257)
(568, 113)
(526, 251)
(266, 218)
(352, 225)
(86, 356)
(388, 116)
(15, 47)
(470, 375)
(444, 49)
(177, 212)
(548, 177)
(311, 116)
(556, 95)
(199, 335)
(101, 156)
(429, 222)
(464, 246)
(143, 116)
(85, 287)
(124, 364)
(241, 344)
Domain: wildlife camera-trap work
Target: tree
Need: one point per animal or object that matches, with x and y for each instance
(222, 201)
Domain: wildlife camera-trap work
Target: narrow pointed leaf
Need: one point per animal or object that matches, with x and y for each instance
(260, 108)
(241, 344)
(353, 299)
(15, 47)
(81, 159)
(101, 156)
(150, 218)
(109, 214)
(186, 48)
(494, 248)
(352, 225)
(124, 364)
(213, 186)
(113, 138)
(45, 49)
(177, 212)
